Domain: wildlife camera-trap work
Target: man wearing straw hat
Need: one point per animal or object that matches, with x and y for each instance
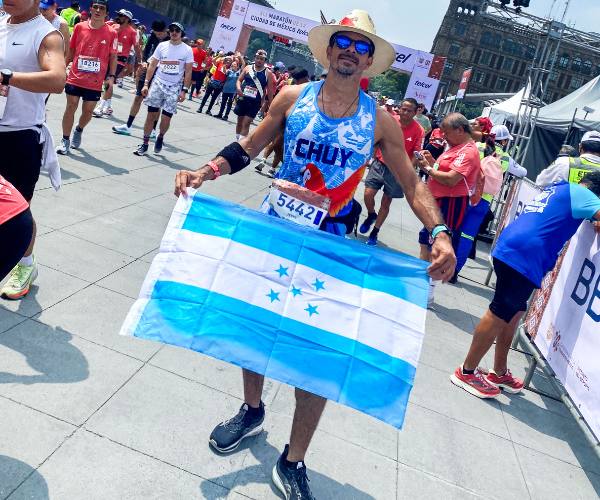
(331, 129)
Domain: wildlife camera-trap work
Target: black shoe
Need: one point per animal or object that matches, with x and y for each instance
(158, 145)
(220, 117)
(228, 435)
(199, 110)
(208, 112)
(141, 150)
(292, 482)
(225, 118)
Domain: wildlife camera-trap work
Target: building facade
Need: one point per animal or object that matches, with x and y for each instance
(502, 51)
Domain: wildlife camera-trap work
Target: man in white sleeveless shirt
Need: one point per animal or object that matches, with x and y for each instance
(48, 10)
(33, 65)
(351, 50)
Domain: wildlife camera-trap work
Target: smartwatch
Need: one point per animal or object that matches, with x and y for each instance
(6, 76)
(440, 228)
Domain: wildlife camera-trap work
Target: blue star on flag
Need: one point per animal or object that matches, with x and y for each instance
(311, 309)
(283, 271)
(318, 284)
(296, 291)
(273, 295)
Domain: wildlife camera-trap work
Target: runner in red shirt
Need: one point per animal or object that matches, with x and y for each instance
(16, 227)
(93, 51)
(127, 38)
(379, 176)
(198, 70)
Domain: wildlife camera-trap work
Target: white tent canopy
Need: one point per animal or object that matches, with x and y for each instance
(507, 110)
(558, 115)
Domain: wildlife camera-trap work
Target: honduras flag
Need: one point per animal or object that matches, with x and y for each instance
(328, 315)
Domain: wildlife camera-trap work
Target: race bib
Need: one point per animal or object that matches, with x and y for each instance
(194, 65)
(88, 64)
(250, 92)
(120, 47)
(291, 208)
(170, 67)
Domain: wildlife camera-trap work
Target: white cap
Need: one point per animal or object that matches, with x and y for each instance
(591, 136)
(390, 102)
(501, 133)
(126, 13)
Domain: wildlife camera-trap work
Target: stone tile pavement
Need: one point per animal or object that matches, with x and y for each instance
(87, 414)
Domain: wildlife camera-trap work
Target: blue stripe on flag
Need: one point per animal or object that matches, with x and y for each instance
(367, 267)
(335, 367)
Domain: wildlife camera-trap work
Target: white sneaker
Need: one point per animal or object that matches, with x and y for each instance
(64, 147)
(121, 129)
(97, 111)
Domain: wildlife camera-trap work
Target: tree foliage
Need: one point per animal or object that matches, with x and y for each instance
(390, 83)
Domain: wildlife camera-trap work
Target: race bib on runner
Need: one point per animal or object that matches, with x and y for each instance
(194, 65)
(170, 67)
(120, 47)
(291, 208)
(250, 92)
(88, 64)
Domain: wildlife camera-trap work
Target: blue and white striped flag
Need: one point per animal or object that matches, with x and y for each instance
(316, 311)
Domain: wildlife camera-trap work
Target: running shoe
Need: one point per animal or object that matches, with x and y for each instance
(219, 116)
(208, 112)
(65, 145)
(107, 111)
(475, 383)
(292, 482)
(98, 111)
(260, 165)
(76, 140)
(120, 83)
(19, 281)
(158, 145)
(153, 135)
(199, 110)
(228, 435)
(141, 150)
(225, 118)
(507, 382)
(121, 129)
(372, 241)
(272, 172)
(366, 225)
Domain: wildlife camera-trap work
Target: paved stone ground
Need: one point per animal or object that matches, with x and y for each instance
(87, 414)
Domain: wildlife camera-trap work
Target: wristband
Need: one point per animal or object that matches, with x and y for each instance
(215, 168)
(235, 155)
(184, 89)
(440, 228)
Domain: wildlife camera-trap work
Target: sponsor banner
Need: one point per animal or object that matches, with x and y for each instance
(567, 335)
(464, 83)
(229, 25)
(279, 23)
(437, 67)
(408, 59)
(422, 88)
(524, 191)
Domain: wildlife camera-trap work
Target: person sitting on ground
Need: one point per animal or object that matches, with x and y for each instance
(572, 169)
(525, 251)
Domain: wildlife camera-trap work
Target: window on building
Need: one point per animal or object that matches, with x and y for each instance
(509, 46)
(508, 64)
(553, 75)
(487, 39)
(576, 82)
(478, 77)
(460, 29)
(448, 67)
(530, 52)
(567, 81)
(499, 62)
(493, 60)
(563, 61)
(501, 84)
(587, 67)
(485, 58)
(454, 49)
(576, 65)
(476, 56)
(522, 68)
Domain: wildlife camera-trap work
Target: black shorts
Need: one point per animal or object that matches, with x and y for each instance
(380, 176)
(85, 94)
(512, 291)
(247, 107)
(21, 160)
(16, 234)
(198, 76)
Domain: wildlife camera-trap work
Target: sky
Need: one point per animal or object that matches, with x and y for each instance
(414, 23)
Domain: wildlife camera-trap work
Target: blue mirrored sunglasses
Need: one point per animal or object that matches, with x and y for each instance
(343, 42)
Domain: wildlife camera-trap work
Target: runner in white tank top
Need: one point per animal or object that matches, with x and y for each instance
(32, 49)
(48, 10)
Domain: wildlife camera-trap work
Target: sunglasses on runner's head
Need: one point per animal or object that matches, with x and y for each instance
(362, 47)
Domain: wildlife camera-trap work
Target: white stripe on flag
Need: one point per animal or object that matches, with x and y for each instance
(379, 320)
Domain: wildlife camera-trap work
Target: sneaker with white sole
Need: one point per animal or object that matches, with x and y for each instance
(228, 435)
(506, 382)
(141, 150)
(153, 135)
(121, 129)
(19, 281)
(292, 482)
(98, 111)
(64, 147)
(107, 111)
(76, 139)
(474, 383)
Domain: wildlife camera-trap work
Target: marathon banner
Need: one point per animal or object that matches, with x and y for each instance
(422, 88)
(279, 23)
(408, 59)
(229, 25)
(567, 333)
(323, 313)
(464, 83)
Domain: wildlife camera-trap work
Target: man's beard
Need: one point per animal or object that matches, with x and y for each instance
(344, 71)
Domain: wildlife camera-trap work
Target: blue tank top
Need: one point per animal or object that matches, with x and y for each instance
(261, 76)
(328, 155)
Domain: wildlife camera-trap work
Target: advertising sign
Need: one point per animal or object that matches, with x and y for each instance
(422, 88)
(464, 83)
(408, 59)
(279, 23)
(229, 25)
(567, 335)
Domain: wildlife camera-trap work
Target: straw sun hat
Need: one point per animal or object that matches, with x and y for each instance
(358, 21)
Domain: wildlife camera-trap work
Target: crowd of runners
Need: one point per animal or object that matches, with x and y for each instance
(448, 168)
